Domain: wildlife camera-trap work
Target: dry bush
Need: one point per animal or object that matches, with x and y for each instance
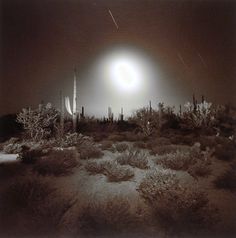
(117, 173)
(94, 167)
(227, 180)
(107, 217)
(193, 161)
(113, 171)
(26, 191)
(57, 163)
(166, 149)
(134, 158)
(121, 147)
(200, 169)
(90, 152)
(32, 204)
(177, 208)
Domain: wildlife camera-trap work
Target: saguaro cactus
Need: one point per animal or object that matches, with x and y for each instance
(74, 111)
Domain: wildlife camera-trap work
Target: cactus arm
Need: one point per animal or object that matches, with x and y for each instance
(67, 103)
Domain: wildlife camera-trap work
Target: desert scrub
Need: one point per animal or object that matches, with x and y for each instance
(177, 208)
(57, 163)
(134, 158)
(117, 173)
(94, 167)
(111, 215)
(165, 149)
(87, 152)
(193, 161)
(121, 147)
(113, 171)
(34, 206)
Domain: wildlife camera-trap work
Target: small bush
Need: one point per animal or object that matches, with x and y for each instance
(193, 161)
(26, 191)
(58, 163)
(95, 168)
(227, 180)
(134, 158)
(29, 156)
(121, 147)
(113, 215)
(12, 148)
(117, 173)
(90, 152)
(113, 171)
(200, 169)
(177, 208)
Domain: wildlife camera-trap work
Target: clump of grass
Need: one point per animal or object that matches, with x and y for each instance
(134, 158)
(106, 217)
(174, 204)
(57, 163)
(121, 147)
(227, 180)
(200, 169)
(113, 171)
(90, 152)
(117, 173)
(94, 167)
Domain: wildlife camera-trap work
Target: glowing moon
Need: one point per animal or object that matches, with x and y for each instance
(125, 73)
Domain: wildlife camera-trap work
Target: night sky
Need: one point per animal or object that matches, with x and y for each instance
(191, 45)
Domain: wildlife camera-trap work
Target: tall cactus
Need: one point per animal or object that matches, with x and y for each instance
(74, 111)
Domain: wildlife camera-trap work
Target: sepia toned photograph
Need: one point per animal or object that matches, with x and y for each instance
(117, 118)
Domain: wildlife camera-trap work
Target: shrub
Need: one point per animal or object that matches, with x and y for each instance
(35, 208)
(177, 208)
(113, 215)
(29, 156)
(58, 163)
(90, 152)
(41, 122)
(26, 192)
(134, 158)
(193, 161)
(121, 147)
(227, 180)
(113, 171)
(12, 146)
(116, 173)
(95, 168)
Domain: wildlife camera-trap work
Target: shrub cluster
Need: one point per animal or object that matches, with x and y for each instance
(177, 208)
(107, 217)
(113, 171)
(193, 161)
(57, 163)
(134, 158)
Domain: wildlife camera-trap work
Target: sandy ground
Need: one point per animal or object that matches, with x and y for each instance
(85, 188)
(8, 157)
